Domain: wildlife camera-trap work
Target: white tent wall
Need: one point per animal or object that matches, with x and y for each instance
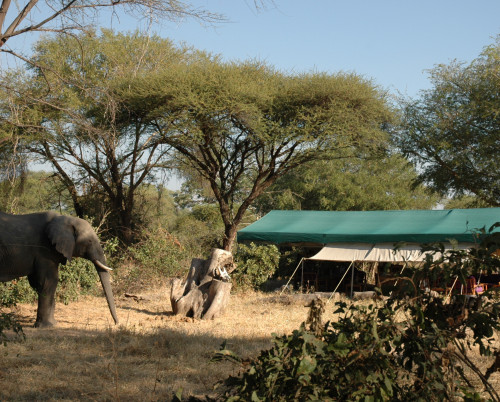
(381, 252)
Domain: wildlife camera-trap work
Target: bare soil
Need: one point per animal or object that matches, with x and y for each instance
(150, 355)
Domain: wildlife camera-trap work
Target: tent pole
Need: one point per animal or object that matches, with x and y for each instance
(352, 281)
(338, 284)
(289, 280)
(448, 296)
(302, 275)
(400, 273)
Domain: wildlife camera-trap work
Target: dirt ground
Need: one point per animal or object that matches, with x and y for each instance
(150, 355)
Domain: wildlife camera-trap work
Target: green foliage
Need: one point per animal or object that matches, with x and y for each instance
(9, 296)
(200, 229)
(256, 263)
(33, 192)
(464, 202)
(8, 322)
(244, 124)
(452, 130)
(376, 183)
(17, 291)
(117, 108)
(153, 260)
(70, 116)
(76, 278)
(413, 346)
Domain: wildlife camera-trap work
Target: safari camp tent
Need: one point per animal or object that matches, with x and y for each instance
(371, 236)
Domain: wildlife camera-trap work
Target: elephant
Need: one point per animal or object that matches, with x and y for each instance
(34, 245)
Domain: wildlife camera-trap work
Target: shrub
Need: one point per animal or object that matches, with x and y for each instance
(8, 298)
(153, 260)
(256, 263)
(16, 291)
(197, 236)
(413, 346)
(8, 321)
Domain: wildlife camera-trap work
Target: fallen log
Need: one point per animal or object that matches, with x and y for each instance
(205, 293)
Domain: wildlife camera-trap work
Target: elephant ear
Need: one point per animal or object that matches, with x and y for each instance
(61, 234)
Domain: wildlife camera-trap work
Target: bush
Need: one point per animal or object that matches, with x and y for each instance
(198, 236)
(17, 291)
(8, 298)
(256, 263)
(8, 321)
(413, 346)
(158, 257)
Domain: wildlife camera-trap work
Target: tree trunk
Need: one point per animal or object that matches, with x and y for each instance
(205, 293)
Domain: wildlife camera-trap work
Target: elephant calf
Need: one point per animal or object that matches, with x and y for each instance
(34, 245)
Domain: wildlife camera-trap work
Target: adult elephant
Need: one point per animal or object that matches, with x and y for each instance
(34, 245)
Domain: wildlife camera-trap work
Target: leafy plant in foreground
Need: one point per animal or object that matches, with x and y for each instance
(412, 346)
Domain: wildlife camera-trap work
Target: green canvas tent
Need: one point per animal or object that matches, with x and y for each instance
(415, 226)
(370, 235)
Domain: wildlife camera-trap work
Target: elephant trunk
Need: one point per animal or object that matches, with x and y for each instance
(106, 286)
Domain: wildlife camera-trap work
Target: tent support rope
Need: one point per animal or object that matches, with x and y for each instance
(345, 273)
(448, 296)
(289, 280)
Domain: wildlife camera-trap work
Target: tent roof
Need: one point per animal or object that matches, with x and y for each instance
(416, 226)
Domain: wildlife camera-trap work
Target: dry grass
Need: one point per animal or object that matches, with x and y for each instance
(151, 355)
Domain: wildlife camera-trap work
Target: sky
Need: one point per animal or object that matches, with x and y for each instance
(392, 42)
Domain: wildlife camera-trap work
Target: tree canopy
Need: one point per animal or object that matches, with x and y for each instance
(68, 114)
(110, 110)
(240, 126)
(453, 130)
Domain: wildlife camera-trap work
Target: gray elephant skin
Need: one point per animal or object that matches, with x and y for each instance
(34, 245)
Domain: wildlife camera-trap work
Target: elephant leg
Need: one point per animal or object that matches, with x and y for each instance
(46, 289)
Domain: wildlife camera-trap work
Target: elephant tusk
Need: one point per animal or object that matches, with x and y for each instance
(102, 266)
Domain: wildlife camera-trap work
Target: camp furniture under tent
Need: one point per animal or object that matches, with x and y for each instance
(372, 235)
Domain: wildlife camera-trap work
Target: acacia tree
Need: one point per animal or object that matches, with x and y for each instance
(453, 130)
(71, 117)
(73, 16)
(241, 126)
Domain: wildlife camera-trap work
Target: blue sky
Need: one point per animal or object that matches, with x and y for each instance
(389, 41)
